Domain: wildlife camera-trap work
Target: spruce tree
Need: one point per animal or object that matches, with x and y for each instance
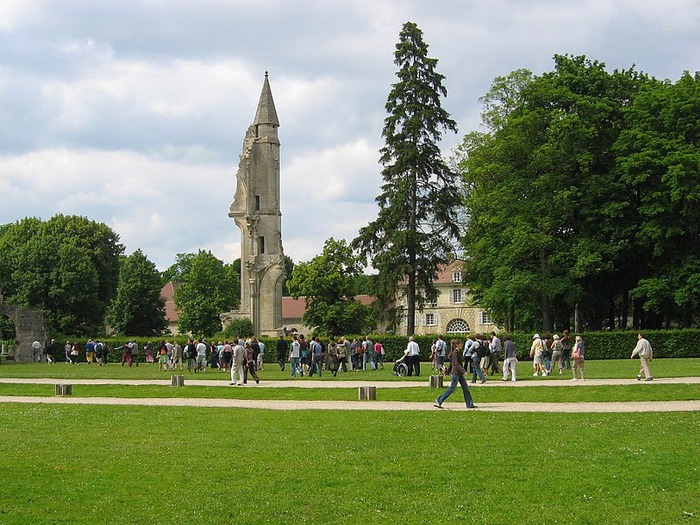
(413, 233)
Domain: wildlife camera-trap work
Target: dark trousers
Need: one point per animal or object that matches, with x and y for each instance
(249, 368)
(316, 365)
(413, 363)
(281, 361)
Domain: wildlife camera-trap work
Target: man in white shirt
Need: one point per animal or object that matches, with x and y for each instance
(294, 356)
(645, 353)
(201, 356)
(412, 357)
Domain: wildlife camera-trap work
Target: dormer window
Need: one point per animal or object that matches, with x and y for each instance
(457, 276)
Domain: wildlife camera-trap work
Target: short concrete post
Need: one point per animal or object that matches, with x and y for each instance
(64, 390)
(367, 393)
(177, 380)
(436, 381)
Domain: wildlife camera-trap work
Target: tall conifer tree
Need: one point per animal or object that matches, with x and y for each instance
(413, 233)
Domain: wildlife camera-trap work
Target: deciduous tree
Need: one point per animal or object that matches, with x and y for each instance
(328, 283)
(138, 309)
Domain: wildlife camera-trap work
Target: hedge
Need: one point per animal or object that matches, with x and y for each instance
(599, 345)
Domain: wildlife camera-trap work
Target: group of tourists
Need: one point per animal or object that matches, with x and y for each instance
(310, 357)
(478, 355)
(546, 352)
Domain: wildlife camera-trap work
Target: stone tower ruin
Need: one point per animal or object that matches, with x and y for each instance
(256, 211)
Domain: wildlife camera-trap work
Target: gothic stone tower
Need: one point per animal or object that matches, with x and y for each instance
(256, 210)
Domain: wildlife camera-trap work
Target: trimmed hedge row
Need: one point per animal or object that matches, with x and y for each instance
(599, 345)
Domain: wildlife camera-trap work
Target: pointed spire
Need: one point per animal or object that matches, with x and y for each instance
(266, 113)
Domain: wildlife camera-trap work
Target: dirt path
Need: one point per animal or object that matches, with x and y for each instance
(313, 383)
(651, 406)
(627, 406)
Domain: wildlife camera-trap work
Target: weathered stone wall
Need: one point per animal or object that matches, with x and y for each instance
(29, 327)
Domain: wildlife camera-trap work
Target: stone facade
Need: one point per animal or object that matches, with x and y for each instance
(453, 312)
(29, 327)
(256, 211)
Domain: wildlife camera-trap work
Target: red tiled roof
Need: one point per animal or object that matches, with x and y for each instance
(294, 308)
(168, 295)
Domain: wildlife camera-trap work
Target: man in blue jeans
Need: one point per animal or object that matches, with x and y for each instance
(457, 374)
(316, 357)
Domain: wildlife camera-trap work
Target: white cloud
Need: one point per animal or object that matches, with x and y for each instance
(133, 112)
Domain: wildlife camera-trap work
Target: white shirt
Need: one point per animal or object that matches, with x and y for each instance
(201, 349)
(295, 349)
(412, 348)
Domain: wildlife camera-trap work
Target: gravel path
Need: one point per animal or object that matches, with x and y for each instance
(651, 406)
(627, 406)
(314, 383)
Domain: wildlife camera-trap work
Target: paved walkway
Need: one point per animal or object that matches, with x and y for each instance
(627, 406)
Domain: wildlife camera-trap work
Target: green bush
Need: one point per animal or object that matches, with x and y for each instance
(599, 345)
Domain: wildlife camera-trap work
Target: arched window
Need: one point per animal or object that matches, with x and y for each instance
(458, 326)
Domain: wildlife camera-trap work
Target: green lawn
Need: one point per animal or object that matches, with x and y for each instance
(167, 465)
(612, 369)
(554, 394)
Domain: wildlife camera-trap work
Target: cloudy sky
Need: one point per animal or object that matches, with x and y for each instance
(133, 112)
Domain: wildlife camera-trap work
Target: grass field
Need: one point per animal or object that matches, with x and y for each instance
(609, 369)
(144, 465)
(555, 394)
(83, 464)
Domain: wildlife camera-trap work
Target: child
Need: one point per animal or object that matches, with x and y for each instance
(163, 359)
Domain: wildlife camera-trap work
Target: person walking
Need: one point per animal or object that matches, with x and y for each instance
(578, 355)
(281, 352)
(495, 350)
(477, 350)
(249, 365)
(413, 357)
(316, 358)
(457, 372)
(645, 353)
(237, 364)
(294, 358)
(510, 359)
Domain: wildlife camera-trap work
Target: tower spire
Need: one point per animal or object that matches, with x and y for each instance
(266, 113)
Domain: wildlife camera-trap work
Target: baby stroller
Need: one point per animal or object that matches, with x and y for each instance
(400, 367)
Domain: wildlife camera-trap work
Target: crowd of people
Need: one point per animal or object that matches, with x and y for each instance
(310, 357)
(480, 354)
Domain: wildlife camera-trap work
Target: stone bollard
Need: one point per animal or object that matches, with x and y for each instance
(64, 390)
(177, 380)
(436, 381)
(367, 393)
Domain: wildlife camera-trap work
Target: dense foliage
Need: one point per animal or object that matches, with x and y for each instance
(582, 199)
(328, 283)
(207, 288)
(413, 233)
(67, 267)
(138, 308)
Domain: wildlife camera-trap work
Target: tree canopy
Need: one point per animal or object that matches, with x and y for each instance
(138, 309)
(328, 283)
(206, 288)
(67, 267)
(416, 226)
(583, 182)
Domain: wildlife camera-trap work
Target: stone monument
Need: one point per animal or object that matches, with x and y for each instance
(256, 211)
(29, 327)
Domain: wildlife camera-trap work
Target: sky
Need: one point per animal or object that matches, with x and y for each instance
(133, 112)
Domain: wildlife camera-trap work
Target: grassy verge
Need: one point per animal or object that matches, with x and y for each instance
(554, 394)
(611, 369)
(166, 465)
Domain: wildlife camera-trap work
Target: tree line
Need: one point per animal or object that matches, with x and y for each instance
(582, 199)
(577, 206)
